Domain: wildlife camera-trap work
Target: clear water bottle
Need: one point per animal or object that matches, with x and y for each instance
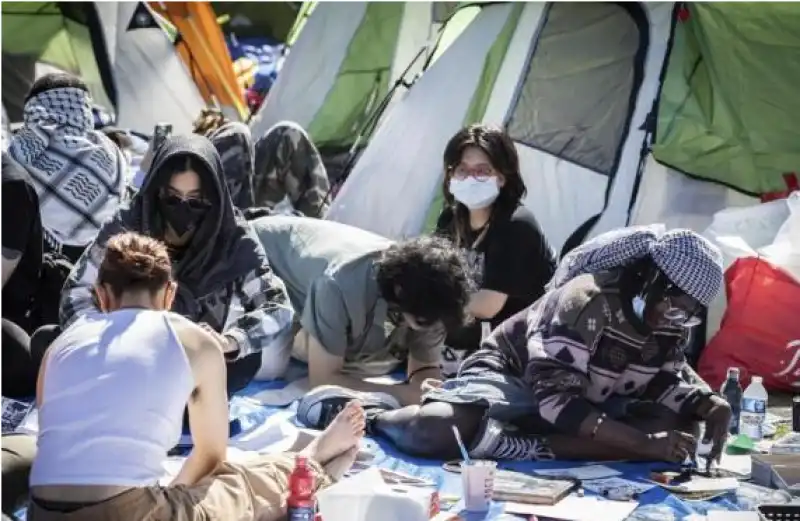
(754, 409)
(732, 392)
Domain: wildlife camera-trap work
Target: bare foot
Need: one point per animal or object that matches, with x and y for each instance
(338, 466)
(344, 433)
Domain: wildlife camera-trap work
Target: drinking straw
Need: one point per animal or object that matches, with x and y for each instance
(461, 446)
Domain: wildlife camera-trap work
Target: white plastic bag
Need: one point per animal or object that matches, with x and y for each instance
(770, 230)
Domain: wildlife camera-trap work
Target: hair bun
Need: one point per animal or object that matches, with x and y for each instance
(134, 260)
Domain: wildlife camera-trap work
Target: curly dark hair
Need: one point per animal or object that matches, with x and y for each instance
(427, 278)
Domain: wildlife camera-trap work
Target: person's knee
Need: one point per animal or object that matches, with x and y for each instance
(290, 129)
(429, 433)
(41, 340)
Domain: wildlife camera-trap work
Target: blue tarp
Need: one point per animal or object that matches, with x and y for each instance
(250, 415)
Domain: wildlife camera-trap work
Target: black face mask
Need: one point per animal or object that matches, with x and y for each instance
(183, 215)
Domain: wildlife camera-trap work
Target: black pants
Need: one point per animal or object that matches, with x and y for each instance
(18, 453)
(22, 356)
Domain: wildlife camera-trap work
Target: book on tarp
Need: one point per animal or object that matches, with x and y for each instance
(534, 490)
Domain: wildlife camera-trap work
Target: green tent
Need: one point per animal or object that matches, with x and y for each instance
(730, 96)
(53, 35)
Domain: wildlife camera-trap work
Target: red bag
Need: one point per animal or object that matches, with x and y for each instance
(760, 332)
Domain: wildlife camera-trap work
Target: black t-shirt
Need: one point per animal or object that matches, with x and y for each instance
(22, 234)
(513, 258)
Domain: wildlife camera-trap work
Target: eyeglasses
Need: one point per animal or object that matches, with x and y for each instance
(480, 173)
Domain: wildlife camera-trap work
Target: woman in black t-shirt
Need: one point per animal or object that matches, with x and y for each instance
(510, 258)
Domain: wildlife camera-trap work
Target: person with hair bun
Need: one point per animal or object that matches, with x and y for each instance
(111, 394)
(224, 277)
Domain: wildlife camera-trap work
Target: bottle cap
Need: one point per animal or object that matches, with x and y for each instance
(733, 371)
(757, 379)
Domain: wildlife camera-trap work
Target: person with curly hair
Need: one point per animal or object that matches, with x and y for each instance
(594, 370)
(509, 257)
(366, 304)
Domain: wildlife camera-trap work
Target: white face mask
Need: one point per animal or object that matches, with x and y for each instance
(474, 194)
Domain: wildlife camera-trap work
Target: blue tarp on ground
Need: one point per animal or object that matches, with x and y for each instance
(251, 415)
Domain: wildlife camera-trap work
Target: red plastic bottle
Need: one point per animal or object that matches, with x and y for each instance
(301, 505)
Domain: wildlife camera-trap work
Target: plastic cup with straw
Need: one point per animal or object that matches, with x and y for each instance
(477, 479)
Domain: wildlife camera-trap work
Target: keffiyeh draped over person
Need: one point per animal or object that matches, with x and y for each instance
(79, 174)
(690, 261)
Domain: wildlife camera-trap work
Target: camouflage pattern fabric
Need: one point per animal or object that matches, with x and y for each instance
(288, 164)
(234, 145)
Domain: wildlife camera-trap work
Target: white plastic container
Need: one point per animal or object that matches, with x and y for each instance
(754, 409)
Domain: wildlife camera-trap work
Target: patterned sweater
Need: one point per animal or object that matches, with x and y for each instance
(578, 345)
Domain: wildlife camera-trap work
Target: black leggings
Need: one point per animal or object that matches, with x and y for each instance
(22, 356)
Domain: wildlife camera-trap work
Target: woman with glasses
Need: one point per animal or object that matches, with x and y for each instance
(509, 256)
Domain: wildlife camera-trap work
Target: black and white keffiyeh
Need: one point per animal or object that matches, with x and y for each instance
(689, 260)
(78, 172)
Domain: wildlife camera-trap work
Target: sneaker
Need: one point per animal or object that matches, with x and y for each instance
(320, 406)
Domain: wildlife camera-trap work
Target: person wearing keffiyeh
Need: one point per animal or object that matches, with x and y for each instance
(592, 370)
(79, 174)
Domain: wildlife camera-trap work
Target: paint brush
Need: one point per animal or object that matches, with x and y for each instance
(461, 446)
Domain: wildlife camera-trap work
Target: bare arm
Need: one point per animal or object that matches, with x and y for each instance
(208, 406)
(325, 368)
(10, 262)
(486, 303)
(40, 383)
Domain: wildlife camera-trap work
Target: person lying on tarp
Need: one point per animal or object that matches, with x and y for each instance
(283, 162)
(366, 305)
(111, 395)
(509, 257)
(591, 371)
(79, 174)
(224, 279)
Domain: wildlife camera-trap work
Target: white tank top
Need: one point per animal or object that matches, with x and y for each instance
(115, 388)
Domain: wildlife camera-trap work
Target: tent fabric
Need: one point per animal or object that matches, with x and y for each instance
(343, 64)
(205, 53)
(61, 35)
(726, 112)
(569, 103)
(363, 79)
(396, 178)
(118, 48)
(403, 160)
(152, 82)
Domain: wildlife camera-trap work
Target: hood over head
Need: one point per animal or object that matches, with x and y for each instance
(224, 247)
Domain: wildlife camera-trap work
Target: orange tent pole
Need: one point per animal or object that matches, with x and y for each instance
(204, 51)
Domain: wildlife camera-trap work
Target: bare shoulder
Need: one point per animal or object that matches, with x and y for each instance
(198, 343)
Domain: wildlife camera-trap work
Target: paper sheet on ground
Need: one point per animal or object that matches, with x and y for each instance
(701, 484)
(582, 473)
(576, 508)
(599, 485)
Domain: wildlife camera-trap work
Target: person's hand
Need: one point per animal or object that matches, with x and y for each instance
(718, 420)
(430, 384)
(672, 446)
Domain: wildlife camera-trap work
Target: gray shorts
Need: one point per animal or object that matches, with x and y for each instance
(509, 399)
(506, 398)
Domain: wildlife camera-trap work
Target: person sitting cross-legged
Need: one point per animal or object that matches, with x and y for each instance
(111, 396)
(591, 371)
